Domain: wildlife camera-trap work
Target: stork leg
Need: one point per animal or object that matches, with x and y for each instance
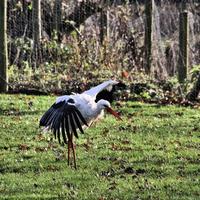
(71, 146)
(68, 146)
(74, 154)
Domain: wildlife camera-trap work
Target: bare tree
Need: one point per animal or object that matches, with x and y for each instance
(37, 29)
(85, 9)
(149, 9)
(3, 46)
(183, 46)
(58, 18)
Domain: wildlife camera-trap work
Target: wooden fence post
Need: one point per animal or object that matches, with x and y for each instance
(37, 30)
(3, 47)
(57, 20)
(102, 25)
(149, 9)
(108, 23)
(183, 46)
(105, 24)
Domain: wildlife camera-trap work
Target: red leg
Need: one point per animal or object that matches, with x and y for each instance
(74, 155)
(68, 146)
(71, 145)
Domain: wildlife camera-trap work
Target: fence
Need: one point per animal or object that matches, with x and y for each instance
(94, 35)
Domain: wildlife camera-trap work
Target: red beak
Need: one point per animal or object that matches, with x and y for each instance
(111, 111)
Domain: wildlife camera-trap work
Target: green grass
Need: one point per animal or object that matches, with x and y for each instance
(154, 153)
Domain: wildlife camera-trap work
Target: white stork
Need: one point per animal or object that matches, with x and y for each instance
(72, 112)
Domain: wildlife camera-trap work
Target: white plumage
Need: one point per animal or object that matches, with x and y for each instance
(72, 112)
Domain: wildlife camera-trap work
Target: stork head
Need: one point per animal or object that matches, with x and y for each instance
(103, 104)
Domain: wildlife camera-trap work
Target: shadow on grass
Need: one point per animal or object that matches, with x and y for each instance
(15, 112)
(35, 168)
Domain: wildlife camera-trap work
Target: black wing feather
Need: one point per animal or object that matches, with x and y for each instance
(63, 131)
(76, 119)
(59, 140)
(80, 116)
(67, 127)
(63, 118)
(46, 117)
(54, 132)
(57, 126)
(73, 125)
(110, 95)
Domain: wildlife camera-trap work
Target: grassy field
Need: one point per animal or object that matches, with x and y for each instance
(154, 153)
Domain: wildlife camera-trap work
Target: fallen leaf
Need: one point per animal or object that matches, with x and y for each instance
(23, 147)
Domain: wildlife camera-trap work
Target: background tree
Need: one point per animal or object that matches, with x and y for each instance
(149, 9)
(183, 47)
(84, 27)
(58, 18)
(37, 30)
(3, 46)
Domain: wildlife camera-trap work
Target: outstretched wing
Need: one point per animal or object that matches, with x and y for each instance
(107, 85)
(110, 95)
(63, 118)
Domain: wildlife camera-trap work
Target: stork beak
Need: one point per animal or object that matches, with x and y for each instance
(111, 111)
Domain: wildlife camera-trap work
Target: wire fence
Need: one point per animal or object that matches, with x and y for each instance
(80, 35)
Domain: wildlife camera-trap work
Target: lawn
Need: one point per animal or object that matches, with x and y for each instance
(154, 153)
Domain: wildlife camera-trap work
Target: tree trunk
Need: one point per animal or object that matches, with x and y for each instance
(3, 47)
(36, 30)
(86, 9)
(58, 18)
(183, 47)
(102, 26)
(149, 9)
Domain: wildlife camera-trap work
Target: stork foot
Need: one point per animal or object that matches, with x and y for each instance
(72, 146)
